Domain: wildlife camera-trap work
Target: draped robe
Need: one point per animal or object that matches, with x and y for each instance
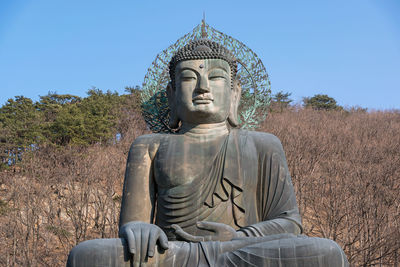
(245, 184)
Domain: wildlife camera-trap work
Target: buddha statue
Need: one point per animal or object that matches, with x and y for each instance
(209, 194)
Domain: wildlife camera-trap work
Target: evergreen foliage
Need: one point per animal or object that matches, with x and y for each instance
(321, 102)
(63, 120)
(20, 128)
(281, 101)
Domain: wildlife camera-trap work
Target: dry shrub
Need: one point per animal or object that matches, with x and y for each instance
(59, 197)
(346, 171)
(345, 167)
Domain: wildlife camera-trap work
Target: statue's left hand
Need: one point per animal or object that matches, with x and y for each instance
(221, 232)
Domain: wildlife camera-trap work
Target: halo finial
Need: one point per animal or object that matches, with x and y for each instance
(203, 26)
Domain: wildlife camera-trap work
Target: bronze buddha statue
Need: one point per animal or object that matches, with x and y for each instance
(209, 194)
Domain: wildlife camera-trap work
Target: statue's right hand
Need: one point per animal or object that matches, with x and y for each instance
(142, 238)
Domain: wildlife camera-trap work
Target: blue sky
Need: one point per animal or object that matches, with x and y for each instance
(349, 49)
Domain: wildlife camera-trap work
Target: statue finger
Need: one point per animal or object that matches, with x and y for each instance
(152, 243)
(176, 227)
(130, 237)
(163, 240)
(210, 226)
(144, 243)
(138, 241)
(185, 236)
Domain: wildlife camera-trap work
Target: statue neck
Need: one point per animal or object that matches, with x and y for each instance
(204, 130)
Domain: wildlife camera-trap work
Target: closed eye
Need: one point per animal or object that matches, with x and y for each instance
(217, 74)
(213, 78)
(188, 78)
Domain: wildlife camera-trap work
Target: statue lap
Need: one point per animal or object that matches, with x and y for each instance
(275, 250)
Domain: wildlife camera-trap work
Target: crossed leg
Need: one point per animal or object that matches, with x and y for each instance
(275, 250)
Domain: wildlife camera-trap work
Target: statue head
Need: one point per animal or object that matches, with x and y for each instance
(203, 87)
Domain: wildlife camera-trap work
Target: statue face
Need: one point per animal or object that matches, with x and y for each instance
(203, 90)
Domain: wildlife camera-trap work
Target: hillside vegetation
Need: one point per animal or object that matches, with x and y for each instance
(58, 190)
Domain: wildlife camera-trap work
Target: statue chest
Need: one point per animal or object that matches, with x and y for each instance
(180, 161)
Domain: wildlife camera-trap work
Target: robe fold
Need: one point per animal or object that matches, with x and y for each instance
(247, 177)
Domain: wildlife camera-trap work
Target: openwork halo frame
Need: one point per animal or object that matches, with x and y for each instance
(254, 80)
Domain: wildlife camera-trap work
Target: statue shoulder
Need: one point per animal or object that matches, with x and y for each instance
(263, 141)
(147, 142)
(147, 139)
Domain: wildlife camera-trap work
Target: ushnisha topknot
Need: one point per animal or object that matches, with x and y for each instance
(202, 49)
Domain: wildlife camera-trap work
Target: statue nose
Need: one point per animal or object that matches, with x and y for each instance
(203, 86)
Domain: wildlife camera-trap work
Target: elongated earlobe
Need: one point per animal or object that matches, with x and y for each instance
(233, 118)
(173, 116)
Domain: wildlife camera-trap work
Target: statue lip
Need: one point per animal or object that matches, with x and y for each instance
(202, 99)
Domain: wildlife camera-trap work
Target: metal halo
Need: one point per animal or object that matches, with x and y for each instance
(254, 80)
